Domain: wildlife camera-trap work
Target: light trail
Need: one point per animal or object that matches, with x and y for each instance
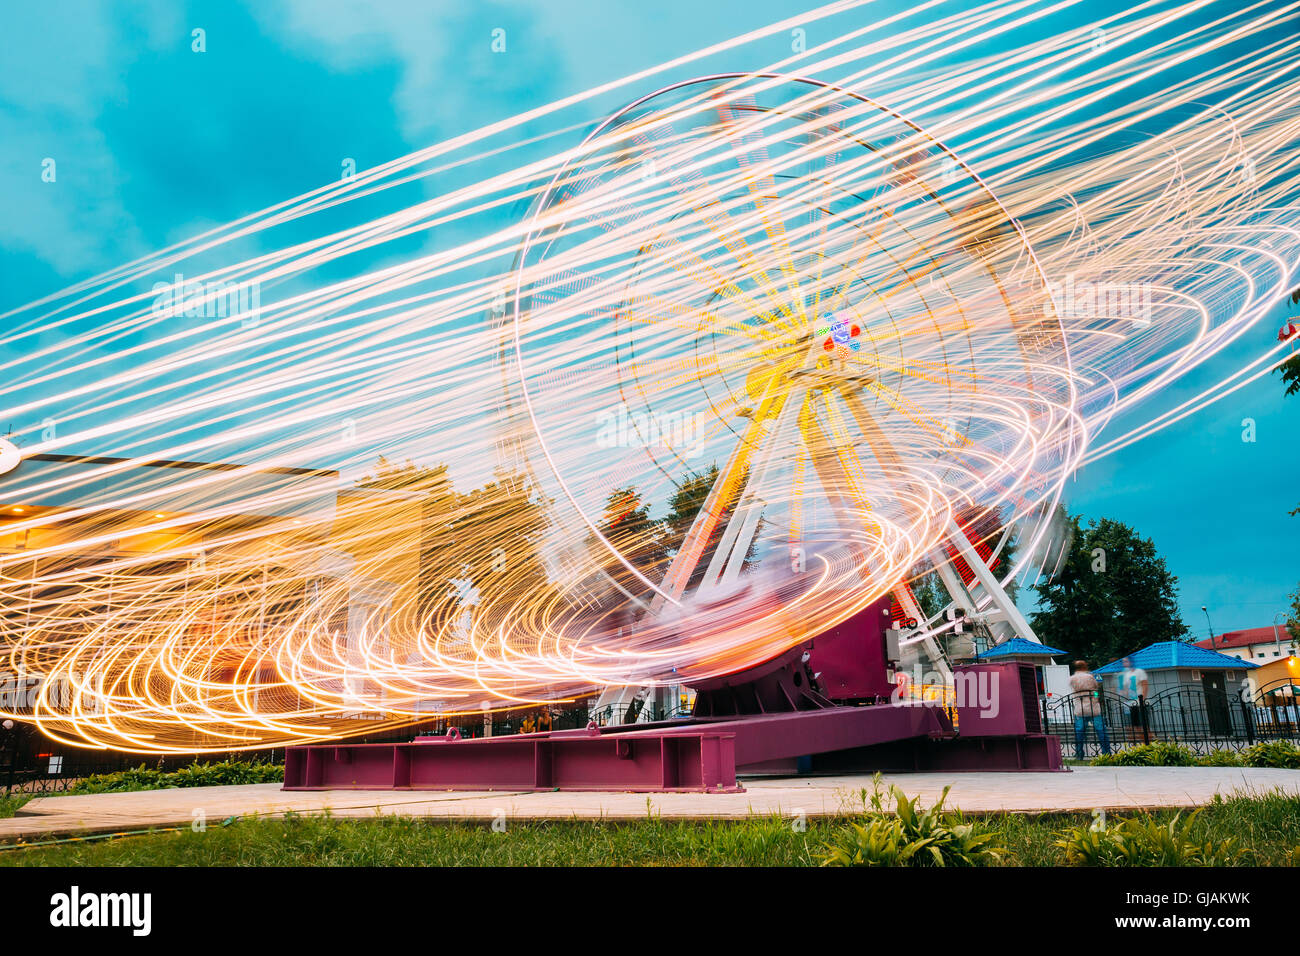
(827, 308)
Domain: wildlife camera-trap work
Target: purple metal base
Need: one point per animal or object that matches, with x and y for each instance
(705, 754)
(568, 760)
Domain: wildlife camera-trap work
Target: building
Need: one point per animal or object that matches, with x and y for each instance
(1258, 644)
(1175, 665)
(1182, 675)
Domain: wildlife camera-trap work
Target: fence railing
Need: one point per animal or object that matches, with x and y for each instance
(1202, 720)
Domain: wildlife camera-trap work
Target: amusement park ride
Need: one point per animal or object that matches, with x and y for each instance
(800, 380)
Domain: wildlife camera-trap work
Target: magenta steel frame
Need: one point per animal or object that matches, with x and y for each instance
(705, 754)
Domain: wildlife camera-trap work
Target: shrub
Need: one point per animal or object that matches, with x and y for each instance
(1220, 758)
(1145, 841)
(1276, 753)
(196, 774)
(912, 836)
(1148, 755)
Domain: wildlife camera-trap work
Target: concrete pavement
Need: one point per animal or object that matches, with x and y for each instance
(1085, 788)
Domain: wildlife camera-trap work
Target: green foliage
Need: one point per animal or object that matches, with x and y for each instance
(1290, 372)
(12, 803)
(1275, 753)
(685, 503)
(930, 593)
(1220, 758)
(1293, 617)
(1148, 755)
(1111, 595)
(1268, 823)
(912, 836)
(226, 773)
(1146, 841)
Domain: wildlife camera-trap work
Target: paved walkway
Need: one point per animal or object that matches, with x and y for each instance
(1085, 788)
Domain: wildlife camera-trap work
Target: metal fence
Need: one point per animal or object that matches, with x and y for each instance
(33, 764)
(1201, 720)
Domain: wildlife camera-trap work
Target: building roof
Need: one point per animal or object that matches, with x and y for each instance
(1247, 637)
(1168, 655)
(1020, 647)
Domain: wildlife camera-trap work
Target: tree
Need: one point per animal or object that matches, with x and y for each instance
(1293, 619)
(1290, 369)
(1111, 595)
(631, 532)
(928, 589)
(685, 503)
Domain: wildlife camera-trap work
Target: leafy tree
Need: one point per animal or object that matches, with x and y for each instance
(627, 526)
(685, 503)
(1293, 619)
(1111, 595)
(1290, 369)
(929, 591)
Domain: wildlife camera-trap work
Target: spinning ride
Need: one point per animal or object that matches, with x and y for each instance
(804, 308)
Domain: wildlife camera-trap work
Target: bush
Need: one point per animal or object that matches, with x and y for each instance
(1220, 758)
(1146, 842)
(226, 773)
(912, 836)
(1276, 753)
(1148, 755)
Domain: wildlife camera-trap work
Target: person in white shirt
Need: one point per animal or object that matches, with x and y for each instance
(1133, 686)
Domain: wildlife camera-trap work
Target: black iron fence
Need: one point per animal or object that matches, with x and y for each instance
(33, 764)
(1202, 720)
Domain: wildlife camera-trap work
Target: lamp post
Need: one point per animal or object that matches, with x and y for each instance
(1277, 640)
(1211, 626)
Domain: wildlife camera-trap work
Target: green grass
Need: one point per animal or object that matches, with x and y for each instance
(9, 804)
(1268, 826)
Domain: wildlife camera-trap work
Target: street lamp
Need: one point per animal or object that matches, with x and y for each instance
(1211, 626)
(1277, 640)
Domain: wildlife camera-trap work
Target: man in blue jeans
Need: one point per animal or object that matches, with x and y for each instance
(1086, 693)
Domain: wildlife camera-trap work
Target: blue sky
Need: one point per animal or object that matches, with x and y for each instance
(155, 143)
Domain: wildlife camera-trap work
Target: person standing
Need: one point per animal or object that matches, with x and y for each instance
(1087, 708)
(1133, 685)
